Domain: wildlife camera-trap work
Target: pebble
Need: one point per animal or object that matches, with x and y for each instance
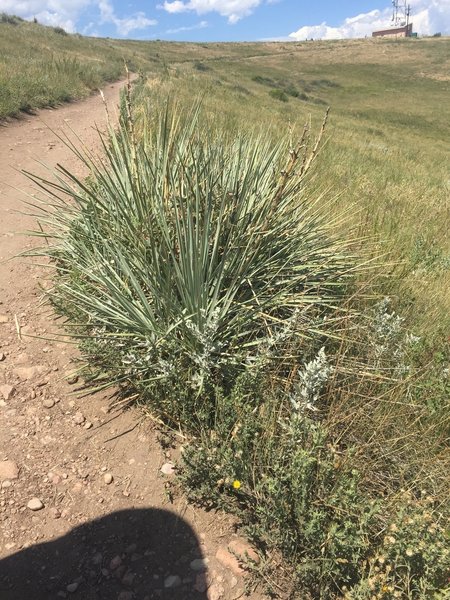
(97, 559)
(2, 356)
(216, 592)
(88, 425)
(243, 550)
(172, 581)
(168, 468)
(26, 373)
(79, 418)
(6, 484)
(72, 587)
(199, 564)
(32, 394)
(55, 513)
(7, 391)
(8, 470)
(35, 504)
(48, 403)
(4, 319)
(125, 595)
(115, 563)
(72, 379)
(108, 478)
(229, 561)
(201, 583)
(128, 578)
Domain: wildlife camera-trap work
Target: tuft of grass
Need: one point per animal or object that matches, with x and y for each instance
(278, 94)
(60, 30)
(10, 19)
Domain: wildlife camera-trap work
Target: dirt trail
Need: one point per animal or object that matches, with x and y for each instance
(85, 511)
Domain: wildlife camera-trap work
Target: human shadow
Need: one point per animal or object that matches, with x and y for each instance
(136, 554)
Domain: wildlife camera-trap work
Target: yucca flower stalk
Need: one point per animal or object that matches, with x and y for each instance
(186, 253)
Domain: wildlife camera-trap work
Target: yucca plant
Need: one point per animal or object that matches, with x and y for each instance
(189, 255)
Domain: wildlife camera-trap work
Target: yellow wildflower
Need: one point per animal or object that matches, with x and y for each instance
(236, 484)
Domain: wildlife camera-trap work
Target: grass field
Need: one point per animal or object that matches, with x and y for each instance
(351, 499)
(388, 140)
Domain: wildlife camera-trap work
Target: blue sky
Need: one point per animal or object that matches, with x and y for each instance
(228, 20)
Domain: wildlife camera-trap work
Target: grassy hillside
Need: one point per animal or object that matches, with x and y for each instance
(389, 138)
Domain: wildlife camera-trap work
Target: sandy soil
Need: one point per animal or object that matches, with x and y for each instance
(85, 510)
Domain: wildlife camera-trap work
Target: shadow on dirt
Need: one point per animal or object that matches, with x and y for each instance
(139, 554)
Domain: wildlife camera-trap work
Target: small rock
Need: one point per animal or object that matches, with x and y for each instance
(168, 468)
(79, 418)
(125, 595)
(199, 564)
(26, 373)
(35, 504)
(8, 470)
(243, 550)
(48, 403)
(131, 549)
(108, 478)
(2, 356)
(233, 582)
(3, 319)
(72, 379)
(172, 581)
(229, 561)
(72, 587)
(55, 513)
(6, 484)
(7, 391)
(115, 563)
(215, 592)
(201, 583)
(120, 571)
(33, 396)
(88, 425)
(128, 578)
(97, 559)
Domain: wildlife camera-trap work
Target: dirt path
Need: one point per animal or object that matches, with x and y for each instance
(85, 510)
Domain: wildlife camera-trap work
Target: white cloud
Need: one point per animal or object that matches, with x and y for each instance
(126, 25)
(200, 25)
(63, 13)
(234, 10)
(428, 17)
(66, 13)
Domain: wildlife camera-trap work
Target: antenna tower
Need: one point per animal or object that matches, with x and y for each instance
(401, 13)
